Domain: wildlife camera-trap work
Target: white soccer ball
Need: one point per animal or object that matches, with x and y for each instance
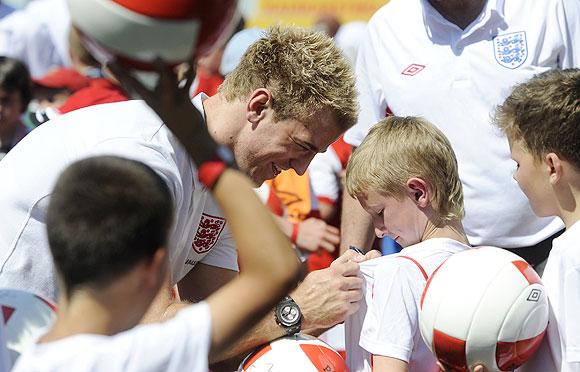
(484, 306)
(25, 317)
(294, 353)
(138, 31)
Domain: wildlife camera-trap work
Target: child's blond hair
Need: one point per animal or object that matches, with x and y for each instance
(399, 148)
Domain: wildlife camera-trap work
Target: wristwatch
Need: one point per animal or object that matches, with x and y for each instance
(288, 315)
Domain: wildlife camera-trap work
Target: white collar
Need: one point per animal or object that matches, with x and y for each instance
(492, 11)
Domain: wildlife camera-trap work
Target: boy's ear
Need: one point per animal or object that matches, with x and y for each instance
(259, 101)
(418, 191)
(156, 267)
(554, 167)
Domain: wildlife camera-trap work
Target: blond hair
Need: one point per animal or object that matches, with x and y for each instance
(399, 148)
(305, 72)
(544, 114)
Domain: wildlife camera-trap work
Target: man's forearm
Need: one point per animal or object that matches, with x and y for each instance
(265, 331)
(356, 226)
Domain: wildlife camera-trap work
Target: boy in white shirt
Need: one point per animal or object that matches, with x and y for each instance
(541, 119)
(404, 174)
(108, 222)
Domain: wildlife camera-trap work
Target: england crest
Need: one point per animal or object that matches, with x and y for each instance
(511, 50)
(208, 231)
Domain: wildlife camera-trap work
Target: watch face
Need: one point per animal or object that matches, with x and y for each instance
(289, 315)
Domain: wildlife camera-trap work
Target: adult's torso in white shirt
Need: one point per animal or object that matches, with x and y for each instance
(417, 63)
(180, 344)
(127, 129)
(429, 255)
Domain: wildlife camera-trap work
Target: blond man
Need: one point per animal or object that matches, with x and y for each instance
(404, 175)
(291, 96)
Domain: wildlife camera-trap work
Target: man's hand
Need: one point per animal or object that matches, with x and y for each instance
(314, 233)
(326, 297)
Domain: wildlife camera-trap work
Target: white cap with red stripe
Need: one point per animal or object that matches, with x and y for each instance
(136, 32)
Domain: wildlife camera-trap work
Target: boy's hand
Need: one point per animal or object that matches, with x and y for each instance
(170, 100)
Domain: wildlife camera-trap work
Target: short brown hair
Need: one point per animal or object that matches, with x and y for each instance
(306, 73)
(544, 114)
(399, 148)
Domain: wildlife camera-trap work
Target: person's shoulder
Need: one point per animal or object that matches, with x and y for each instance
(58, 355)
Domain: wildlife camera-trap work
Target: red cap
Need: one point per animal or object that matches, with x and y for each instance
(63, 78)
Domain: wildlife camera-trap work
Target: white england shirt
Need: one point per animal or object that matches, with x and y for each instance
(387, 322)
(180, 344)
(561, 278)
(127, 129)
(415, 62)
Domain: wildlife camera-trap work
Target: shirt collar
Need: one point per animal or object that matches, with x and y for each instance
(198, 103)
(493, 11)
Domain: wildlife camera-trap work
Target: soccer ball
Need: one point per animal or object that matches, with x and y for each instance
(136, 32)
(294, 353)
(25, 317)
(484, 306)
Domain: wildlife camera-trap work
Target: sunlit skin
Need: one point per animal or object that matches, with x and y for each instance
(410, 218)
(533, 178)
(398, 218)
(550, 183)
(11, 108)
(264, 146)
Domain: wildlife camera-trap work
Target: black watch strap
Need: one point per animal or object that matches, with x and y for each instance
(288, 316)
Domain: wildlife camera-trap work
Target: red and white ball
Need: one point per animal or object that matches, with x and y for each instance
(138, 31)
(484, 306)
(24, 317)
(294, 353)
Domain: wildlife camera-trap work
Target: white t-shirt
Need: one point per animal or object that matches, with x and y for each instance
(324, 171)
(180, 344)
(38, 36)
(387, 322)
(415, 62)
(561, 278)
(127, 129)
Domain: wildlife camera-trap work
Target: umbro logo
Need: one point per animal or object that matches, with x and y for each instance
(413, 69)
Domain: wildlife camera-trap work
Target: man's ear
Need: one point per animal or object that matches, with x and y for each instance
(260, 100)
(418, 191)
(554, 167)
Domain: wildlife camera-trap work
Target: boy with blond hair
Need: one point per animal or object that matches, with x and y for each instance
(541, 119)
(404, 174)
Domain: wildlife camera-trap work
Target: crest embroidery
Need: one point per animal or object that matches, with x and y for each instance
(511, 50)
(208, 232)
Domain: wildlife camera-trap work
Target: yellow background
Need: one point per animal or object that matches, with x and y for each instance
(305, 12)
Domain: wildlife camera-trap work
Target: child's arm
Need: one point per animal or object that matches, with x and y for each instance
(268, 264)
(388, 364)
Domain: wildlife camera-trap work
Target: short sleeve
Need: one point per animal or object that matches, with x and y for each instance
(324, 171)
(569, 21)
(391, 323)
(571, 298)
(371, 98)
(181, 343)
(224, 254)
